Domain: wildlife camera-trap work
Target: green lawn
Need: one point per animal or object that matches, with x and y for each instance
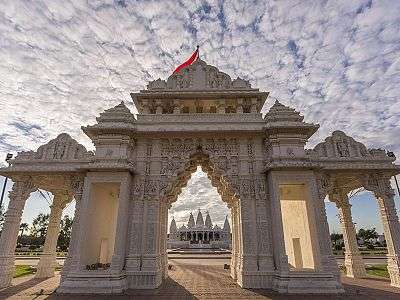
(378, 270)
(23, 271)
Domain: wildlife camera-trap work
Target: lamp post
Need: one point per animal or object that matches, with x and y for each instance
(8, 157)
(397, 185)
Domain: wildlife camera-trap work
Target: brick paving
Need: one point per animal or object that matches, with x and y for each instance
(193, 281)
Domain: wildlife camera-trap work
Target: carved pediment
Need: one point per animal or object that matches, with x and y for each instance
(339, 145)
(63, 147)
(199, 76)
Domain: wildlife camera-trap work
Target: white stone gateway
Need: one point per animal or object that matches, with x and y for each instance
(273, 186)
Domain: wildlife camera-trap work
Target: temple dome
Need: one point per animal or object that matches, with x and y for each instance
(199, 220)
(172, 227)
(208, 222)
(191, 221)
(226, 227)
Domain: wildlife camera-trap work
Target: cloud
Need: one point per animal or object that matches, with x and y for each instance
(199, 194)
(62, 63)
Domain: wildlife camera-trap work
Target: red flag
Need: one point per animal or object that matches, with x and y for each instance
(194, 56)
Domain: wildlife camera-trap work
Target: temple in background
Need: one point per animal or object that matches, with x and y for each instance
(202, 234)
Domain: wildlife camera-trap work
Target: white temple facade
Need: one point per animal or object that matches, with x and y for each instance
(274, 187)
(199, 234)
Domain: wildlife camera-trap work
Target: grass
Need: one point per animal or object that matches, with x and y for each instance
(375, 270)
(23, 271)
(378, 270)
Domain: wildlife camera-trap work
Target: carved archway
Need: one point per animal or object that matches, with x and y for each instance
(217, 177)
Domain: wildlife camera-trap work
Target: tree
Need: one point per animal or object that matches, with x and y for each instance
(39, 225)
(337, 241)
(367, 234)
(65, 233)
(22, 228)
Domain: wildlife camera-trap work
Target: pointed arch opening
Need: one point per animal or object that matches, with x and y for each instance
(202, 225)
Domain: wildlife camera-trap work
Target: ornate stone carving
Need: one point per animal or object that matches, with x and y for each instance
(339, 146)
(379, 184)
(199, 76)
(63, 147)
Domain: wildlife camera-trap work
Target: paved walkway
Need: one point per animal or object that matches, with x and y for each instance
(368, 260)
(194, 281)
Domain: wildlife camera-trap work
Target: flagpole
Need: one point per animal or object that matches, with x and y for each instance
(198, 52)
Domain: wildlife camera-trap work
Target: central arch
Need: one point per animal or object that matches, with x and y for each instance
(225, 190)
(217, 177)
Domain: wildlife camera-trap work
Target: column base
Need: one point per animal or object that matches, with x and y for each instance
(355, 267)
(146, 272)
(144, 280)
(6, 271)
(306, 283)
(255, 280)
(394, 271)
(330, 265)
(93, 282)
(46, 266)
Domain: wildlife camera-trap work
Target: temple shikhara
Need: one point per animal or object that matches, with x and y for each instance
(275, 188)
(199, 234)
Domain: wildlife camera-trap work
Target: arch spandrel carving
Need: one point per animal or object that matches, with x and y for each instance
(379, 184)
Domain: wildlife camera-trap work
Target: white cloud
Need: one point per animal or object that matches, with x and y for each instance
(62, 63)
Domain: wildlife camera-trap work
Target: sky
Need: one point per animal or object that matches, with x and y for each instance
(64, 62)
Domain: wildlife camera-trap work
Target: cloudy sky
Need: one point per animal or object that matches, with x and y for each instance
(63, 62)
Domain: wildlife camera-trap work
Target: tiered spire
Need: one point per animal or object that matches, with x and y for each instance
(172, 227)
(119, 113)
(199, 220)
(191, 221)
(281, 113)
(114, 119)
(287, 134)
(227, 227)
(208, 221)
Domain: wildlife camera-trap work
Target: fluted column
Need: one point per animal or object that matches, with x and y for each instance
(47, 262)
(353, 261)
(8, 240)
(391, 227)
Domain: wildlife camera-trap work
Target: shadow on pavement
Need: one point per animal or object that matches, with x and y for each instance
(15, 289)
(170, 289)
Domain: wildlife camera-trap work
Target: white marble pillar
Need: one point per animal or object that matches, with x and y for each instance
(391, 227)
(71, 261)
(353, 261)
(8, 240)
(121, 231)
(48, 262)
(328, 261)
(234, 243)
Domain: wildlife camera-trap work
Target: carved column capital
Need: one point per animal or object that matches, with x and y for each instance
(23, 187)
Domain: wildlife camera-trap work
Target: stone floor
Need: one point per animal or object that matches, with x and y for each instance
(194, 281)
